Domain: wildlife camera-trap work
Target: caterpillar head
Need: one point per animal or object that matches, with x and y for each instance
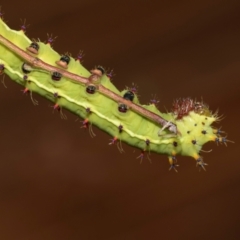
(194, 121)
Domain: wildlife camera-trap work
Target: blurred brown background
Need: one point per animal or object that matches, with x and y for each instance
(58, 183)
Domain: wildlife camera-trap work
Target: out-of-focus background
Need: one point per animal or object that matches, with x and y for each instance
(56, 182)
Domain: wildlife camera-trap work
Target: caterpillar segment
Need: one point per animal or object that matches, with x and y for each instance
(92, 96)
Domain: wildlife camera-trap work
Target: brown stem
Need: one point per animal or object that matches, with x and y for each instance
(40, 64)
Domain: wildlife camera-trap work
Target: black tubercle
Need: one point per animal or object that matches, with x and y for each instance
(34, 45)
(122, 108)
(26, 68)
(175, 144)
(33, 48)
(100, 68)
(65, 58)
(88, 110)
(120, 128)
(194, 142)
(55, 95)
(91, 89)
(129, 95)
(56, 76)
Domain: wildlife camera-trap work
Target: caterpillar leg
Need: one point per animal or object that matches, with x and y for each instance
(88, 125)
(119, 144)
(34, 101)
(223, 140)
(27, 91)
(2, 80)
(141, 156)
(59, 109)
(200, 163)
(173, 163)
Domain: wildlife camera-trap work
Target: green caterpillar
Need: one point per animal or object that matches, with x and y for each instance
(92, 96)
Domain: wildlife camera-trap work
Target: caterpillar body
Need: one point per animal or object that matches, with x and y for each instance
(92, 96)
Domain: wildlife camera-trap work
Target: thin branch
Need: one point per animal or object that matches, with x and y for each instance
(42, 65)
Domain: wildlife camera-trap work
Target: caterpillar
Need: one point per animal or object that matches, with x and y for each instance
(91, 96)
